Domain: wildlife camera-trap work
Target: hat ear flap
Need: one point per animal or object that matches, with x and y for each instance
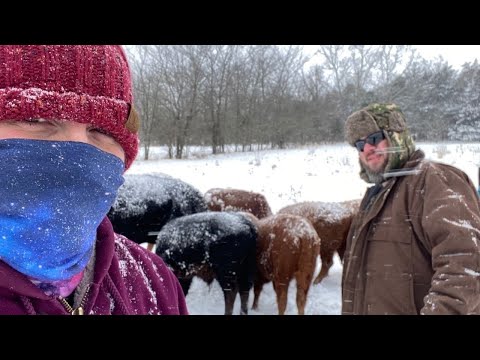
(404, 147)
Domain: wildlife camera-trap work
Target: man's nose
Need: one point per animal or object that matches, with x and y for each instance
(369, 148)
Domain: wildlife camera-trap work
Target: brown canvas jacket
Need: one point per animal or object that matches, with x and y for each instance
(415, 248)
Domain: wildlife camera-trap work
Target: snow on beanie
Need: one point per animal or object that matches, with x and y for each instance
(81, 83)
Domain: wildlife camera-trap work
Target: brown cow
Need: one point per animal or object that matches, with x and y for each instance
(332, 221)
(237, 200)
(287, 248)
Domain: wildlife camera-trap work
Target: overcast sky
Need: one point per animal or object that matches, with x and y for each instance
(456, 55)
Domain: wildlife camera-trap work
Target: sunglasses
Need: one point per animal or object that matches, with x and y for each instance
(372, 139)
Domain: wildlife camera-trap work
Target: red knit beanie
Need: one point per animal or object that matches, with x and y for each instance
(82, 83)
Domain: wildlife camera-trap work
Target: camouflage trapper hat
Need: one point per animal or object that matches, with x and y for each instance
(389, 118)
(374, 117)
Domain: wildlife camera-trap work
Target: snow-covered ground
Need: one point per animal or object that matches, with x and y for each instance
(326, 173)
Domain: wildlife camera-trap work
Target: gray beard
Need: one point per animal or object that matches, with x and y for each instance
(374, 177)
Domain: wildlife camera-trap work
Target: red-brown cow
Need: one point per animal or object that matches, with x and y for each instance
(332, 222)
(237, 200)
(287, 248)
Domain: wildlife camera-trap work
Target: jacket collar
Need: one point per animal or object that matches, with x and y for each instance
(410, 167)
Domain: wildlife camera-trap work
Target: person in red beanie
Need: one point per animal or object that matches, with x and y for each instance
(68, 132)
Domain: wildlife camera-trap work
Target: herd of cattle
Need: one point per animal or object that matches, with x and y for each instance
(232, 236)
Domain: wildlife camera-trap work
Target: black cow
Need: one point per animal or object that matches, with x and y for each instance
(212, 245)
(145, 203)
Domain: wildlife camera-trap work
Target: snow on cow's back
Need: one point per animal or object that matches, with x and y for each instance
(159, 188)
(188, 198)
(335, 211)
(331, 212)
(206, 227)
(229, 199)
(136, 191)
(297, 226)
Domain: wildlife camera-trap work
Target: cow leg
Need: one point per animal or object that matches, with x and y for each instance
(244, 302)
(327, 262)
(228, 282)
(281, 289)
(341, 249)
(301, 300)
(303, 285)
(229, 295)
(246, 276)
(257, 289)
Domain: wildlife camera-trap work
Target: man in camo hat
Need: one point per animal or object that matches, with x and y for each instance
(414, 246)
(388, 122)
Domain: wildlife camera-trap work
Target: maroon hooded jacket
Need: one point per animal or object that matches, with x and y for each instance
(126, 280)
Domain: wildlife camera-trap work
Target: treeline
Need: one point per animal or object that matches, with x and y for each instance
(270, 96)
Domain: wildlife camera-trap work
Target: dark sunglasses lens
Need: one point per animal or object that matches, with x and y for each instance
(360, 144)
(372, 139)
(375, 138)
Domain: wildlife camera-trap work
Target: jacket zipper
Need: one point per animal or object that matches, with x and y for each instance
(79, 310)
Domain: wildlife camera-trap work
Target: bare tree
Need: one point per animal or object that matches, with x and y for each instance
(337, 63)
(363, 60)
(147, 93)
(180, 75)
(394, 62)
(218, 73)
(314, 84)
(263, 95)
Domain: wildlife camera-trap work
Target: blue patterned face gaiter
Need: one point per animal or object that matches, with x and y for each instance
(53, 196)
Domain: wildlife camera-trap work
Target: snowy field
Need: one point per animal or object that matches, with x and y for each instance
(326, 173)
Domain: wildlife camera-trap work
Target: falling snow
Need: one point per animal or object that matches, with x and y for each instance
(324, 173)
